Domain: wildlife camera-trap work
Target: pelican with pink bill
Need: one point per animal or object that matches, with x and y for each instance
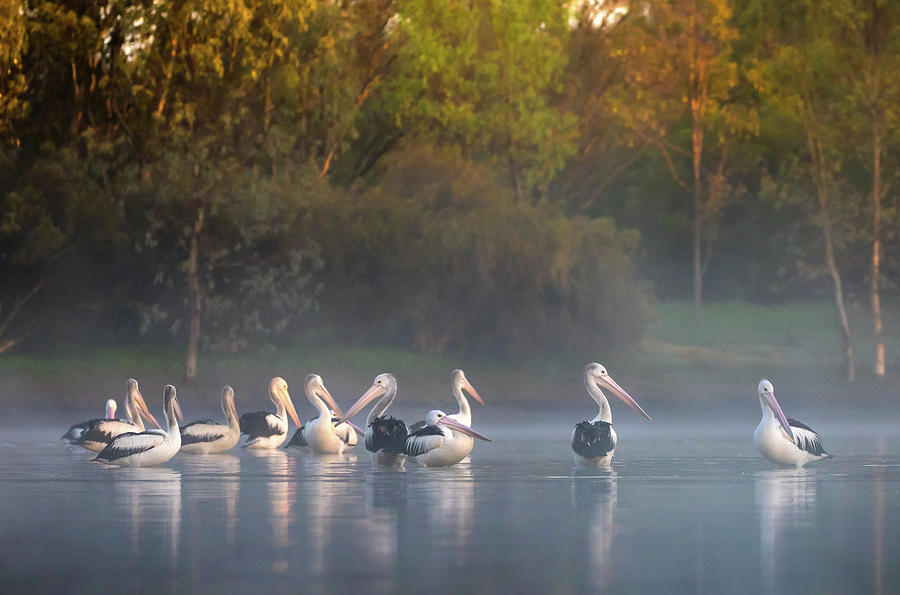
(265, 429)
(442, 442)
(594, 442)
(782, 440)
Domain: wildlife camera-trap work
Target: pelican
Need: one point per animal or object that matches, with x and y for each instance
(458, 383)
(385, 436)
(75, 432)
(347, 431)
(204, 437)
(784, 441)
(96, 436)
(594, 442)
(438, 444)
(149, 448)
(268, 430)
(320, 433)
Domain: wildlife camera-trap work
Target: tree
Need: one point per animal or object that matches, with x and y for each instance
(869, 40)
(797, 79)
(222, 120)
(479, 77)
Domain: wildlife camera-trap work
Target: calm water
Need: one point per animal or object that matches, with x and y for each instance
(676, 514)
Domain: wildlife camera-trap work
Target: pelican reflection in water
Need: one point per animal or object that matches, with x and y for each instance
(386, 503)
(215, 478)
(450, 503)
(153, 497)
(325, 487)
(785, 500)
(594, 496)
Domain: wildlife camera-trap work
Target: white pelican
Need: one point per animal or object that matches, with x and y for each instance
(594, 442)
(320, 433)
(438, 444)
(784, 441)
(458, 383)
(204, 437)
(96, 436)
(385, 436)
(149, 448)
(346, 431)
(76, 430)
(268, 430)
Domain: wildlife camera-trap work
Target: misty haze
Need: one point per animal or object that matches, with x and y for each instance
(490, 297)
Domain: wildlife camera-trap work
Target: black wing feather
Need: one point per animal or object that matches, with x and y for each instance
(254, 424)
(414, 448)
(188, 438)
(95, 433)
(387, 434)
(112, 452)
(592, 439)
(76, 430)
(811, 444)
(298, 440)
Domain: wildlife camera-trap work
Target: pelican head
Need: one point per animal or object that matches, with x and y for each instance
(436, 417)
(111, 409)
(278, 393)
(384, 384)
(767, 399)
(170, 402)
(595, 375)
(315, 388)
(135, 405)
(459, 381)
(227, 401)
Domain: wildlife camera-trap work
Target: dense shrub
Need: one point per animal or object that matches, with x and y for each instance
(441, 257)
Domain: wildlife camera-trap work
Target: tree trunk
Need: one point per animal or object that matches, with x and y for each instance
(846, 343)
(818, 158)
(194, 299)
(698, 87)
(876, 251)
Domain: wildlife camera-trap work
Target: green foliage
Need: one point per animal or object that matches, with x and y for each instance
(479, 77)
(450, 177)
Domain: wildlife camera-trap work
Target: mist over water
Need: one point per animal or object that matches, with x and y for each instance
(688, 507)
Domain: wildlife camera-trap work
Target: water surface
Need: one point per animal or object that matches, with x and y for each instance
(682, 510)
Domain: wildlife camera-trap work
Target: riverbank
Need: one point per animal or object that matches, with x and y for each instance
(710, 361)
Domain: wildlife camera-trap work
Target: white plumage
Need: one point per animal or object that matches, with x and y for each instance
(206, 437)
(98, 432)
(320, 433)
(439, 443)
(149, 448)
(784, 441)
(269, 430)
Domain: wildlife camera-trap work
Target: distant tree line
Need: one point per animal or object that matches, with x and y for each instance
(465, 177)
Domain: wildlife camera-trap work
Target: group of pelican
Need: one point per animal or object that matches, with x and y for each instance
(440, 440)
(786, 442)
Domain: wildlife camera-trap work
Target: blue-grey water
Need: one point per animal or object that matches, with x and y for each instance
(684, 509)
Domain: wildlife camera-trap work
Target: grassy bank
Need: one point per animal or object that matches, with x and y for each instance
(718, 357)
(732, 345)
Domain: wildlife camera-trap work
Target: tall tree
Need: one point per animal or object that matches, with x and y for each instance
(869, 40)
(797, 77)
(231, 83)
